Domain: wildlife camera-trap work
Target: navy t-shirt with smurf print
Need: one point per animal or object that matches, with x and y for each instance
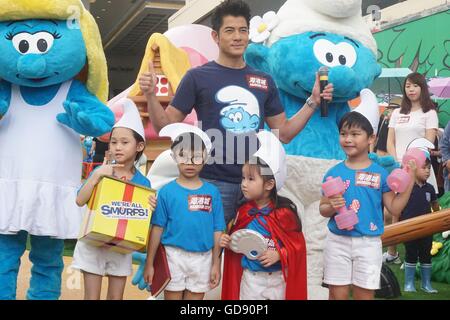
(231, 105)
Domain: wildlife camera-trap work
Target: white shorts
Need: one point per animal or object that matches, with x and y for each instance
(262, 286)
(188, 270)
(353, 260)
(101, 261)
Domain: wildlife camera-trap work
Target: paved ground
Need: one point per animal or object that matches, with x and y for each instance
(72, 284)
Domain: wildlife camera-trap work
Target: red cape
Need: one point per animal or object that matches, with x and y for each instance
(283, 226)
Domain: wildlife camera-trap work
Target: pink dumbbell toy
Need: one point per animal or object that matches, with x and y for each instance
(399, 179)
(346, 218)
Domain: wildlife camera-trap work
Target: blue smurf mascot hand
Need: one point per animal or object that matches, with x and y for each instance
(85, 117)
(387, 162)
(138, 279)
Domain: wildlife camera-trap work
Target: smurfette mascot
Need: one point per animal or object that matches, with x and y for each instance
(53, 85)
(292, 45)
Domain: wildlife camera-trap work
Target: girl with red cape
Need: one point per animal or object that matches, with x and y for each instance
(279, 273)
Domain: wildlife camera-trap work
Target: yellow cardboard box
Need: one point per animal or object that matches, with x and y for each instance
(118, 216)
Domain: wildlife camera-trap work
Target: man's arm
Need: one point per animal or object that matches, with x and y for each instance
(289, 128)
(158, 116)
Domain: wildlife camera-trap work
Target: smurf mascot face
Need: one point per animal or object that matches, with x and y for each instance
(293, 61)
(309, 34)
(40, 53)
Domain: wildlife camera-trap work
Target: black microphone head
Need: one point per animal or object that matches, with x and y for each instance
(323, 71)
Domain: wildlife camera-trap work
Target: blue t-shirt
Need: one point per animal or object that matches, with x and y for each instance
(140, 179)
(255, 265)
(419, 202)
(364, 194)
(189, 217)
(235, 103)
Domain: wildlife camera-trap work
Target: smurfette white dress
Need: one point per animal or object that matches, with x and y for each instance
(40, 169)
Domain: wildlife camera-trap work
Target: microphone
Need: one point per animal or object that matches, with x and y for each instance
(323, 78)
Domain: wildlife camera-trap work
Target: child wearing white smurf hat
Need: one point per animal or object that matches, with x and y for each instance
(283, 264)
(188, 220)
(126, 145)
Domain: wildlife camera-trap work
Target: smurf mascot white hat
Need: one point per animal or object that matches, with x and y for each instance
(131, 118)
(342, 17)
(175, 129)
(272, 152)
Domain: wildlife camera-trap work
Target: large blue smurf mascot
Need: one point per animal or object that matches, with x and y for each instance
(53, 84)
(293, 44)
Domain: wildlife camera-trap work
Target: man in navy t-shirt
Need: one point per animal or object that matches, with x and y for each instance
(232, 101)
(236, 105)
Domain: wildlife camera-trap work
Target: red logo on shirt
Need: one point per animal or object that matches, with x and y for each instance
(200, 203)
(257, 82)
(403, 119)
(368, 179)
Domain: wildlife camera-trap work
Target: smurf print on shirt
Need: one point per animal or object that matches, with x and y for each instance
(241, 115)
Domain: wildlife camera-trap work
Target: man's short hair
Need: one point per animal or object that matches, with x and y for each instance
(235, 8)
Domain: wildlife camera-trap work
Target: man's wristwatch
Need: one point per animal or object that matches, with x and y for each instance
(312, 104)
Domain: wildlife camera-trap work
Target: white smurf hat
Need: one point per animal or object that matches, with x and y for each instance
(271, 151)
(369, 108)
(163, 170)
(342, 17)
(131, 118)
(423, 144)
(173, 130)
